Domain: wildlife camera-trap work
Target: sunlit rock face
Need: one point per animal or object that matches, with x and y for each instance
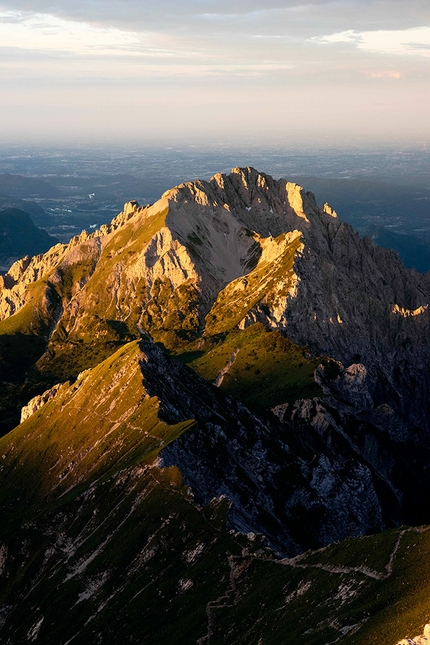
(418, 640)
(238, 249)
(38, 401)
(128, 466)
(212, 256)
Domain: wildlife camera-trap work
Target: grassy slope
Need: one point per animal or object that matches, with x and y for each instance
(262, 368)
(93, 528)
(314, 605)
(131, 559)
(267, 369)
(102, 423)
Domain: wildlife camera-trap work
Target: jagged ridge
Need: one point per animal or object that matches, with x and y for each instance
(207, 258)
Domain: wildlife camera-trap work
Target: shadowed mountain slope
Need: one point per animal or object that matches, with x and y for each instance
(19, 236)
(93, 526)
(281, 307)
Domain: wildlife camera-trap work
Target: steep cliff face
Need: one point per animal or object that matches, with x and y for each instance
(211, 257)
(316, 348)
(137, 402)
(176, 268)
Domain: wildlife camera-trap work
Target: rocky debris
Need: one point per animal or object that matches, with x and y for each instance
(220, 377)
(280, 410)
(350, 386)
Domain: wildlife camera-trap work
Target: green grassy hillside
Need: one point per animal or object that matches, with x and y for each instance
(94, 528)
(262, 368)
(367, 591)
(101, 423)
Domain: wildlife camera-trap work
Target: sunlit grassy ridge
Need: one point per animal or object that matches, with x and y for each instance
(98, 425)
(93, 528)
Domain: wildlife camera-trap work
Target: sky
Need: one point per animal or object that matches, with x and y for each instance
(221, 72)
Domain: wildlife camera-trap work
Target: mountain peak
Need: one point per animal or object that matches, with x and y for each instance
(303, 405)
(213, 255)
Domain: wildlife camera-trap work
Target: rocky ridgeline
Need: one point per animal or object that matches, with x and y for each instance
(269, 474)
(229, 252)
(242, 248)
(91, 495)
(29, 270)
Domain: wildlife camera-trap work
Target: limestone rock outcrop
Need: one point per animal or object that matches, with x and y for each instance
(210, 257)
(418, 640)
(38, 401)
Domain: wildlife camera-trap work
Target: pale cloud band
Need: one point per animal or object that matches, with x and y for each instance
(44, 32)
(407, 42)
(207, 34)
(156, 68)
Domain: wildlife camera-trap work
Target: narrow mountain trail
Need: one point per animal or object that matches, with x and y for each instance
(369, 573)
(226, 600)
(230, 599)
(219, 379)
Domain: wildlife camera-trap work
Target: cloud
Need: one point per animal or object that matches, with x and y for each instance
(386, 74)
(287, 63)
(183, 15)
(406, 42)
(44, 32)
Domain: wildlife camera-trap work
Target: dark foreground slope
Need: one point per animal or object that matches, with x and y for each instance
(95, 529)
(321, 342)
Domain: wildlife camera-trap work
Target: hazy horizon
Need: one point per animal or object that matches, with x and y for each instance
(204, 72)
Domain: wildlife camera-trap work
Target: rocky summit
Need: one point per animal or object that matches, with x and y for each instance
(224, 399)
